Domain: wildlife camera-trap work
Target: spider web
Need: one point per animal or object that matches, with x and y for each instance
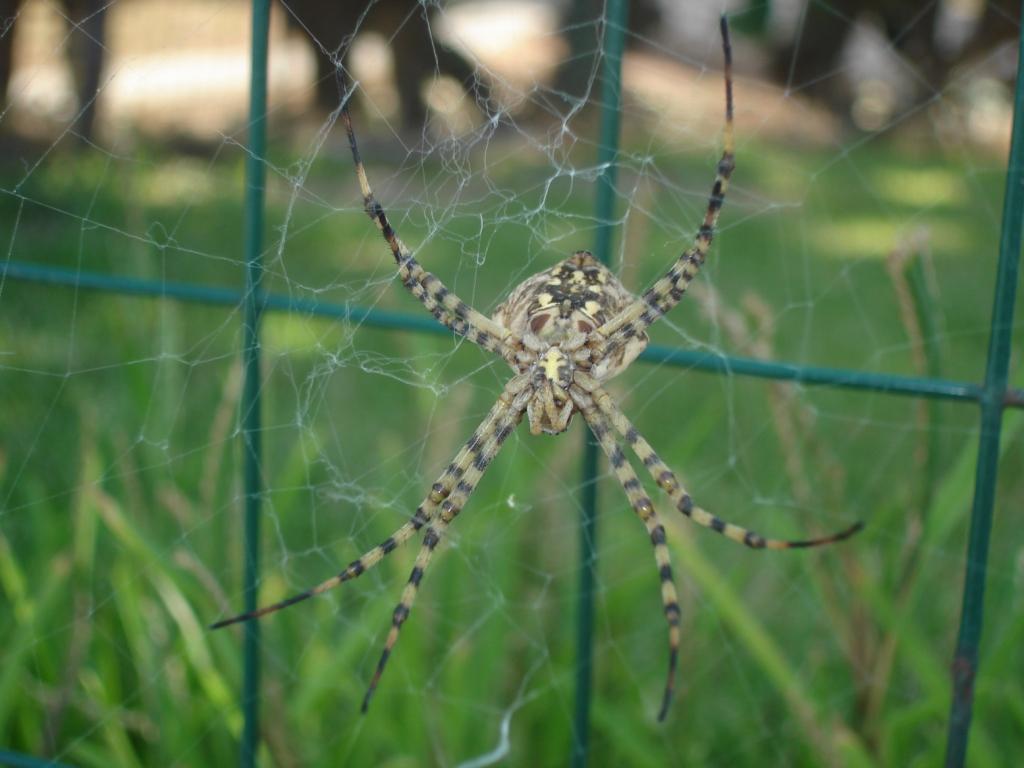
(862, 238)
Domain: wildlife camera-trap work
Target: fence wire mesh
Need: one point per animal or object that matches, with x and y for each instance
(992, 395)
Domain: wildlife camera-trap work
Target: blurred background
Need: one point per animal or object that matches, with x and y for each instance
(860, 232)
(113, 70)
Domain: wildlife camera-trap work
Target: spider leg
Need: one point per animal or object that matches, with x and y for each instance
(480, 457)
(447, 308)
(645, 511)
(668, 482)
(425, 512)
(669, 289)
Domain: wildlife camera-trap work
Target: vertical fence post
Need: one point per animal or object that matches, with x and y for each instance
(965, 661)
(611, 97)
(254, 199)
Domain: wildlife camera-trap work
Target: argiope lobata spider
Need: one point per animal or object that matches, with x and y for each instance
(565, 332)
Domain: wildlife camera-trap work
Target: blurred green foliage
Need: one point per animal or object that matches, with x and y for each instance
(120, 459)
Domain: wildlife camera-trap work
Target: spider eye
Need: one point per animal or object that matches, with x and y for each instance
(584, 326)
(538, 322)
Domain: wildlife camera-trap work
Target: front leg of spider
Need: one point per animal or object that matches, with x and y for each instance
(565, 332)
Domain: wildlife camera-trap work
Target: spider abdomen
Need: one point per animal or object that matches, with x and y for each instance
(564, 305)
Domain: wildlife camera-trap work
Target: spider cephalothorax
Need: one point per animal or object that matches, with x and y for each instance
(565, 332)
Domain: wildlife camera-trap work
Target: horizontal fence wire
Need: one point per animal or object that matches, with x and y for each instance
(371, 317)
(11, 759)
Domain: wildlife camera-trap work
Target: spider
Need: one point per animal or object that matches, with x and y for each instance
(565, 332)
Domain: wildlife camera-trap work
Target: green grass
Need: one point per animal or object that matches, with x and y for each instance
(120, 472)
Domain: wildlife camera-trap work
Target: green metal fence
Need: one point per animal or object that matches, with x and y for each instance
(992, 395)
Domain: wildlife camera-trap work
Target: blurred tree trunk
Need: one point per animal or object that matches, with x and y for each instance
(86, 21)
(810, 62)
(8, 15)
(406, 24)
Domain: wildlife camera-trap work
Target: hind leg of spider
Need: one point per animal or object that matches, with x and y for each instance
(649, 517)
(426, 511)
(450, 508)
(667, 481)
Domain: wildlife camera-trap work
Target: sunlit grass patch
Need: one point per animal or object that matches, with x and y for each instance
(875, 237)
(920, 187)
